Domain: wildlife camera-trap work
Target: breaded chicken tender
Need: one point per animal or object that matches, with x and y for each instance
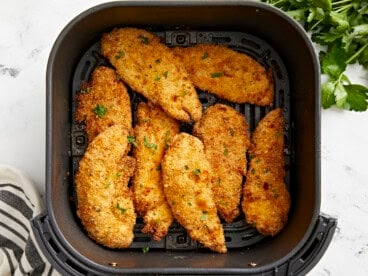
(225, 135)
(151, 69)
(266, 200)
(153, 135)
(188, 177)
(105, 204)
(103, 102)
(230, 75)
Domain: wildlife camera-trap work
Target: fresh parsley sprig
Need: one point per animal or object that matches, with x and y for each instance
(342, 27)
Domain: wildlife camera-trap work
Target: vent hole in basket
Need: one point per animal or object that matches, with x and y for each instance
(51, 242)
(277, 69)
(250, 43)
(180, 39)
(228, 239)
(281, 97)
(84, 74)
(221, 39)
(142, 239)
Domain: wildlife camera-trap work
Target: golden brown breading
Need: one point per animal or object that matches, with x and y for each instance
(188, 177)
(228, 74)
(150, 68)
(105, 204)
(225, 135)
(153, 135)
(103, 102)
(266, 200)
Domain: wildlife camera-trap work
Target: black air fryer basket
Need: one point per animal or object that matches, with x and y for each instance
(264, 33)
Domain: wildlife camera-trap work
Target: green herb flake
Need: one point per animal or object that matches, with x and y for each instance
(157, 78)
(100, 110)
(167, 139)
(158, 168)
(186, 167)
(196, 172)
(149, 145)
(145, 249)
(85, 90)
(122, 210)
(144, 39)
(107, 185)
(190, 204)
(203, 216)
(120, 54)
(226, 151)
(253, 171)
(216, 75)
(131, 140)
(166, 74)
(158, 61)
(184, 93)
(205, 55)
(117, 175)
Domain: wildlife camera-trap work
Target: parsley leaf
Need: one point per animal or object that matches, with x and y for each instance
(196, 172)
(100, 110)
(144, 39)
(216, 75)
(149, 145)
(205, 55)
(122, 210)
(120, 54)
(131, 140)
(145, 249)
(357, 96)
(333, 62)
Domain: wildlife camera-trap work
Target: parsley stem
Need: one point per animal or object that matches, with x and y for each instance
(315, 25)
(356, 54)
(343, 8)
(340, 2)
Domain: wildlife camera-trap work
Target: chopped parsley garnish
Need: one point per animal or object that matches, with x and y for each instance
(216, 75)
(165, 74)
(107, 185)
(85, 90)
(144, 39)
(185, 92)
(145, 249)
(120, 54)
(226, 151)
(253, 171)
(203, 216)
(131, 140)
(158, 61)
(148, 144)
(186, 167)
(205, 55)
(122, 210)
(157, 78)
(146, 120)
(167, 139)
(196, 172)
(100, 110)
(189, 203)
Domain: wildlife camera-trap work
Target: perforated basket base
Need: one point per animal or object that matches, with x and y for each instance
(237, 234)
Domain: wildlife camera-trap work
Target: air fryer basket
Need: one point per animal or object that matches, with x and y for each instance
(245, 27)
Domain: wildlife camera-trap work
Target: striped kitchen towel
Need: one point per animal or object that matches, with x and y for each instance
(19, 203)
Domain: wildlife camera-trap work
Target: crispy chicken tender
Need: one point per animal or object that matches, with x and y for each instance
(151, 69)
(103, 102)
(153, 135)
(266, 200)
(105, 204)
(228, 74)
(225, 135)
(187, 179)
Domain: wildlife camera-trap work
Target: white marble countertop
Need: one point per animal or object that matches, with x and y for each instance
(28, 30)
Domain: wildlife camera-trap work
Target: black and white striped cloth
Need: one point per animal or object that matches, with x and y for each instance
(19, 203)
